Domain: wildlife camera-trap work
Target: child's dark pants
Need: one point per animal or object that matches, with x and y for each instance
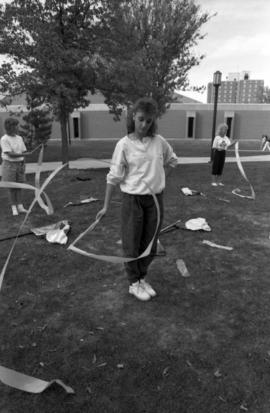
(139, 220)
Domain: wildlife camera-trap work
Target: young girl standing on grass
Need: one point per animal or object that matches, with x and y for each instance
(13, 166)
(220, 145)
(139, 158)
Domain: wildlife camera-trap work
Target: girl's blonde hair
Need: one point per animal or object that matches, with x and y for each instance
(221, 126)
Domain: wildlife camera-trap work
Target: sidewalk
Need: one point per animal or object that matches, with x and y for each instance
(85, 163)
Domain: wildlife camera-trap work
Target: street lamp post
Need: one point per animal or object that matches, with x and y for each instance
(216, 84)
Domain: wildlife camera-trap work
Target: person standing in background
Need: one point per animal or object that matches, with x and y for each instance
(13, 164)
(220, 145)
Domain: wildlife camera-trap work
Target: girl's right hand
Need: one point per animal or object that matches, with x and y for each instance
(101, 213)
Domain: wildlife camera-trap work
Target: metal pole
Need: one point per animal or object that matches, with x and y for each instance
(214, 119)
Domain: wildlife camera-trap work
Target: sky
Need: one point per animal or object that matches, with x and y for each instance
(236, 39)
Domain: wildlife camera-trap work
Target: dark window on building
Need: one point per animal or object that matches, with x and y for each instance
(190, 127)
(229, 123)
(76, 128)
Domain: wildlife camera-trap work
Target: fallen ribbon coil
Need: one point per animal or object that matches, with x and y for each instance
(26, 383)
(241, 169)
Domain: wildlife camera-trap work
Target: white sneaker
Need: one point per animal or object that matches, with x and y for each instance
(147, 287)
(214, 184)
(221, 184)
(21, 209)
(138, 291)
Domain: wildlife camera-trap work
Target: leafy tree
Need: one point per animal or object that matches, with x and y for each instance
(149, 51)
(37, 126)
(52, 42)
(124, 48)
(5, 101)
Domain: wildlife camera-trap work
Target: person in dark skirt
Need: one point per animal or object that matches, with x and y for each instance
(220, 145)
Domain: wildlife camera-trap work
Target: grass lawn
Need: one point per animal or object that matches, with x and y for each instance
(99, 149)
(201, 346)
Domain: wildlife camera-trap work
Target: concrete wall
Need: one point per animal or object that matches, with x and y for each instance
(250, 121)
(100, 125)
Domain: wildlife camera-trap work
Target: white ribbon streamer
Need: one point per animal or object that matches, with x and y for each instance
(38, 192)
(111, 258)
(26, 383)
(241, 169)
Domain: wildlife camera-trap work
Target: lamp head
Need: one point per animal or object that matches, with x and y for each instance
(217, 78)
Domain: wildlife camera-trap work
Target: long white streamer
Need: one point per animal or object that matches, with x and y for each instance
(241, 169)
(112, 258)
(37, 198)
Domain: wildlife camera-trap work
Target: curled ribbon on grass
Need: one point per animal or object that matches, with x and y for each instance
(237, 191)
(111, 258)
(26, 383)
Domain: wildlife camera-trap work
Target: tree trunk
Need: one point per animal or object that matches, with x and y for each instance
(64, 138)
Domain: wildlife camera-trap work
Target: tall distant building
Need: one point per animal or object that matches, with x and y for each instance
(238, 88)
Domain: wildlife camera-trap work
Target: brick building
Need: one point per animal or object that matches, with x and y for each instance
(238, 88)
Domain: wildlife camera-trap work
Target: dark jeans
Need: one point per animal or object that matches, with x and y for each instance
(218, 162)
(139, 220)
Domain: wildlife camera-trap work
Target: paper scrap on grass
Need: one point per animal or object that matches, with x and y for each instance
(181, 266)
(197, 224)
(82, 202)
(29, 384)
(241, 169)
(212, 244)
(191, 192)
(54, 233)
